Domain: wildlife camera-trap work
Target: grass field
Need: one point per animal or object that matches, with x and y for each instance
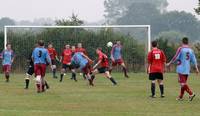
(129, 98)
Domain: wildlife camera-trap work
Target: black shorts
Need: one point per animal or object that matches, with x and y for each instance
(154, 76)
(30, 70)
(53, 62)
(65, 66)
(103, 69)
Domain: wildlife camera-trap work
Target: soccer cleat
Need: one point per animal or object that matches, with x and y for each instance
(179, 99)
(152, 96)
(55, 77)
(191, 97)
(162, 96)
(126, 76)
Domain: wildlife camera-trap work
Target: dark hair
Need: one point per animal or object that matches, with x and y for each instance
(8, 44)
(185, 40)
(50, 43)
(41, 43)
(99, 48)
(154, 43)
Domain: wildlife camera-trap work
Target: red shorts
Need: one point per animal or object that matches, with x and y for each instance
(40, 69)
(117, 62)
(87, 69)
(182, 78)
(6, 68)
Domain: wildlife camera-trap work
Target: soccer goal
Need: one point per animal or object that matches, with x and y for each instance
(136, 41)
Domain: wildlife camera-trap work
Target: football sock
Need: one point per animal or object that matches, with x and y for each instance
(27, 83)
(61, 77)
(161, 89)
(7, 77)
(54, 73)
(182, 91)
(74, 76)
(84, 75)
(46, 84)
(113, 81)
(92, 77)
(125, 72)
(188, 90)
(153, 88)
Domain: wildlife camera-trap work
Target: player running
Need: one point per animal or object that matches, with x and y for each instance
(155, 68)
(8, 57)
(104, 66)
(30, 72)
(66, 61)
(40, 58)
(116, 57)
(53, 55)
(81, 61)
(184, 56)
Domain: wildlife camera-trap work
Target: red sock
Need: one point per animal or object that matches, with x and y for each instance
(182, 91)
(189, 91)
(38, 87)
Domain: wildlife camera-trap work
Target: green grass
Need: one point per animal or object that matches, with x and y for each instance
(129, 98)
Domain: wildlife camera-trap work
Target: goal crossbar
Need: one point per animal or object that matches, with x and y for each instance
(84, 26)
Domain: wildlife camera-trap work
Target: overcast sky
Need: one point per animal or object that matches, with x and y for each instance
(88, 10)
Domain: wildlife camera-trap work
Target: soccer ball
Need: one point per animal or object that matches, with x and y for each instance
(109, 44)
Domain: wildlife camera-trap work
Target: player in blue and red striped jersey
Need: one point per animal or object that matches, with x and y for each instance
(116, 57)
(40, 58)
(104, 66)
(8, 57)
(156, 67)
(183, 58)
(83, 62)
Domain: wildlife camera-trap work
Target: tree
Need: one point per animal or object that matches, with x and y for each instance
(6, 21)
(73, 20)
(197, 10)
(117, 8)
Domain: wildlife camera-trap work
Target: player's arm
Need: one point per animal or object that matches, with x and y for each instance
(112, 52)
(61, 57)
(12, 57)
(86, 57)
(48, 59)
(149, 58)
(97, 64)
(194, 61)
(175, 58)
(164, 60)
(56, 55)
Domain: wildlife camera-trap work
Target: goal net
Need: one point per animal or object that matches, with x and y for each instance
(135, 40)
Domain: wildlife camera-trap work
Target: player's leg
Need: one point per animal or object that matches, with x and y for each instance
(64, 67)
(28, 75)
(87, 70)
(37, 71)
(188, 89)
(7, 69)
(124, 69)
(73, 74)
(108, 75)
(159, 77)
(54, 68)
(43, 71)
(182, 81)
(152, 78)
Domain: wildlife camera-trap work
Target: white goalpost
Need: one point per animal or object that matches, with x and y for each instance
(148, 27)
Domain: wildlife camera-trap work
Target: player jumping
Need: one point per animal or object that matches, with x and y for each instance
(53, 55)
(184, 56)
(81, 61)
(8, 58)
(155, 68)
(116, 57)
(40, 57)
(104, 66)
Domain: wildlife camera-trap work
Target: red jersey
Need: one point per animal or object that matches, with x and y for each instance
(156, 60)
(81, 50)
(104, 59)
(66, 55)
(52, 53)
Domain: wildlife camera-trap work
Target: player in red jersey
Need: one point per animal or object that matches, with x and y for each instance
(104, 66)
(156, 67)
(66, 61)
(53, 55)
(80, 48)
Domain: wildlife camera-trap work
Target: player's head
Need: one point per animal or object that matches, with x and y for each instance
(73, 48)
(185, 41)
(50, 45)
(8, 46)
(41, 43)
(67, 46)
(98, 50)
(118, 42)
(154, 44)
(79, 45)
